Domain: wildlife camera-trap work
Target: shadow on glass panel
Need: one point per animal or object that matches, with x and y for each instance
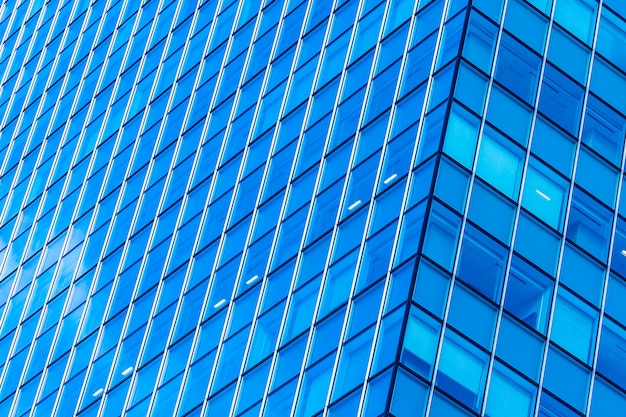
(528, 294)
(482, 263)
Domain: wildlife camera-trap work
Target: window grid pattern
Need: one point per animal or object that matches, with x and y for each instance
(312, 208)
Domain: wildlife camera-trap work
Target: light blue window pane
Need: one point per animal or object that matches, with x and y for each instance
(567, 379)
(419, 347)
(553, 146)
(409, 395)
(452, 184)
(509, 394)
(545, 194)
(525, 23)
(603, 130)
(610, 356)
(443, 406)
(431, 288)
(615, 294)
(500, 163)
(462, 370)
(578, 17)
(482, 263)
(569, 54)
(612, 37)
(492, 8)
(471, 88)
(518, 68)
(537, 243)
(589, 225)
(480, 40)
(472, 316)
(441, 236)
(520, 347)
(609, 84)
(574, 326)
(582, 274)
(606, 400)
(491, 211)
(461, 136)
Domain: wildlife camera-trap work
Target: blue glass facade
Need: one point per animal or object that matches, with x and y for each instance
(313, 208)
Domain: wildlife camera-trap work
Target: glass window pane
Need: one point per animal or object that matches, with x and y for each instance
(545, 194)
(509, 395)
(574, 325)
(500, 163)
(462, 371)
(528, 294)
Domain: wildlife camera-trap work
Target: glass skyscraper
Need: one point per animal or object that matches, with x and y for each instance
(313, 208)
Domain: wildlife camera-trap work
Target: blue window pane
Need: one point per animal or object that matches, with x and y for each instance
(606, 400)
(472, 316)
(314, 387)
(537, 244)
(482, 263)
(352, 363)
(452, 184)
(566, 379)
(462, 370)
(377, 393)
(582, 274)
(578, 17)
(589, 225)
(604, 130)
(561, 99)
(545, 194)
(612, 37)
(443, 406)
(509, 115)
(491, 211)
(480, 40)
(528, 294)
(509, 394)
(518, 68)
(569, 54)
(409, 395)
(553, 146)
(609, 84)
(419, 347)
(500, 163)
(574, 325)
(525, 23)
(461, 136)
(441, 237)
(471, 88)
(519, 347)
(616, 293)
(431, 288)
(611, 354)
